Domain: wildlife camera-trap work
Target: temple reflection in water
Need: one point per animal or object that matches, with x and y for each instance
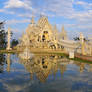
(41, 66)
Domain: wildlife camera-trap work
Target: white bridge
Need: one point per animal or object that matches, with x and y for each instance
(71, 47)
(70, 44)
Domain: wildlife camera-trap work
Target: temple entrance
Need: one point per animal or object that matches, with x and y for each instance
(45, 36)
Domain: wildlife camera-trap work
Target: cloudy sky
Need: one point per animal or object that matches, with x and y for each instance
(75, 15)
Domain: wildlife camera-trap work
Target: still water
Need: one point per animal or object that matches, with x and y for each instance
(44, 73)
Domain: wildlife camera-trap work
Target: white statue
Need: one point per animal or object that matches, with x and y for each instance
(82, 44)
(81, 38)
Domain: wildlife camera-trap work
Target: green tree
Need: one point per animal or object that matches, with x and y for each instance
(14, 42)
(78, 39)
(3, 36)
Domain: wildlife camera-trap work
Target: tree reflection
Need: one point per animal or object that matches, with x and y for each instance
(2, 62)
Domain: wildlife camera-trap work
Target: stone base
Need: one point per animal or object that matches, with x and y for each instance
(8, 48)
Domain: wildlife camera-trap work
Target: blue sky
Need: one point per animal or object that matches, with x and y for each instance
(75, 15)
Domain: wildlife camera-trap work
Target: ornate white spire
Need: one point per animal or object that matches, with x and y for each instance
(63, 33)
(32, 20)
(55, 27)
(9, 37)
(63, 30)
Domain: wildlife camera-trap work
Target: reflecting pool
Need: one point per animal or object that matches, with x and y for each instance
(44, 73)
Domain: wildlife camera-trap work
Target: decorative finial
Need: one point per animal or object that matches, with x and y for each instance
(55, 27)
(32, 20)
(63, 28)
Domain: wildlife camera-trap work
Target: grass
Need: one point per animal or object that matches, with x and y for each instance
(80, 60)
(6, 51)
(56, 53)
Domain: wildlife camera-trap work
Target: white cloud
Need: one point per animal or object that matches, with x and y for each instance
(2, 10)
(18, 4)
(55, 7)
(59, 8)
(81, 3)
(14, 4)
(48, 7)
(14, 21)
(7, 12)
(51, 8)
(25, 15)
(84, 4)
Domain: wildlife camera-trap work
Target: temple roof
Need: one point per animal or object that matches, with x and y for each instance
(43, 21)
